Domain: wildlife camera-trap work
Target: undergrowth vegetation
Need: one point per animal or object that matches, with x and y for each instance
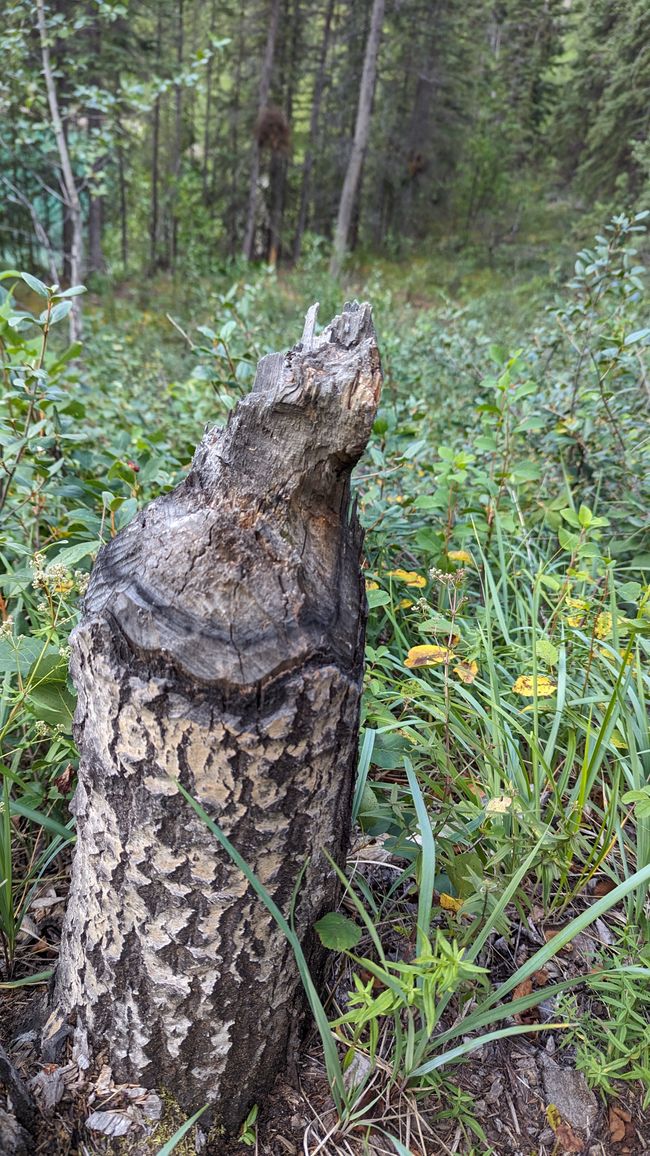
(504, 776)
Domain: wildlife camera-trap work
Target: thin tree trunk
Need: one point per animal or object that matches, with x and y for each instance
(221, 647)
(124, 220)
(265, 88)
(208, 111)
(178, 136)
(154, 225)
(360, 142)
(73, 204)
(308, 163)
(233, 212)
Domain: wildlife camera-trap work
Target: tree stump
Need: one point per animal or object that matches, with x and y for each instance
(221, 645)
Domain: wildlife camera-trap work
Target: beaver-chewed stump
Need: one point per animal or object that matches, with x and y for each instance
(221, 647)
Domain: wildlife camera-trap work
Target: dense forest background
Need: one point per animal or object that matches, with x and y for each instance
(198, 131)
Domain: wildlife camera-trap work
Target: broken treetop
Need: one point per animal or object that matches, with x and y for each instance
(251, 566)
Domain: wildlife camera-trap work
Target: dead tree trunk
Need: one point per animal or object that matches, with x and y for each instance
(221, 645)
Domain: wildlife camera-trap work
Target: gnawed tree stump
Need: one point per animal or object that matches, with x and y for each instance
(221, 644)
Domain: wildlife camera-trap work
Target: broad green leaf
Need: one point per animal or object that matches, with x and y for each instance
(337, 932)
(35, 285)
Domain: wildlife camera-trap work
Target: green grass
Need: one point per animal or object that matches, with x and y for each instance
(505, 771)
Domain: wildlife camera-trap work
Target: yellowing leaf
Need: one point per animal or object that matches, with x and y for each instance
(577, 603)
(603, 627)
(410, 577)
(405, 604)
(460, 556)
(466, 671)
(577, 620)
(448, 903)
(527, 686)
(428, 656)
(499, 806)
(372, 585)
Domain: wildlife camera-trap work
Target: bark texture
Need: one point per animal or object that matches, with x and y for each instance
(221, 645)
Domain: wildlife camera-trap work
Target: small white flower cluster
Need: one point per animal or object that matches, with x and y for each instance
(453, 579)
(7, 627)
(82, 578)
(56, 578)
(64, 651)
(42, 729)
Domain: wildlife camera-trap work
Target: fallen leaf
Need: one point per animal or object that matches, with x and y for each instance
(466, 671)
(567, 1139)
(523, 988)
(449, 903)
(619, 1120)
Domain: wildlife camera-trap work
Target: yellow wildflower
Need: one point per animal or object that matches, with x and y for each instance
(460, 556)
(466, 671)
(410, 577)
(527, 686)
(428, 656)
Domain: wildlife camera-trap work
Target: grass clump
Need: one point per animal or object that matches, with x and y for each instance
(504, 779)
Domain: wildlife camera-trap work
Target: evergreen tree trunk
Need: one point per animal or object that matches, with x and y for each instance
(221, 646)
(360, 142)
(264, 90)
(154, 220)
(308, 164)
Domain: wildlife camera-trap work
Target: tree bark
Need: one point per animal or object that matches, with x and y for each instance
(73, 204)
(221, 646)
(360, 142)
(265, 88)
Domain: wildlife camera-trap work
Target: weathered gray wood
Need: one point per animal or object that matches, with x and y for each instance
(222, 645)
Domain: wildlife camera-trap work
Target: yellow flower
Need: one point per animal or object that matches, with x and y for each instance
(372, 585)
(466, 671)
(460, 556)
(410, 577)
(527, 686)
(428, 656)
(448, 903)
(603, 627)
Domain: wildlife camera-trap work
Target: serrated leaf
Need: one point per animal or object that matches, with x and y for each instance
(337, 932)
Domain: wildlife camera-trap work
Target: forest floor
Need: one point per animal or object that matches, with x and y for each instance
(505, 501)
